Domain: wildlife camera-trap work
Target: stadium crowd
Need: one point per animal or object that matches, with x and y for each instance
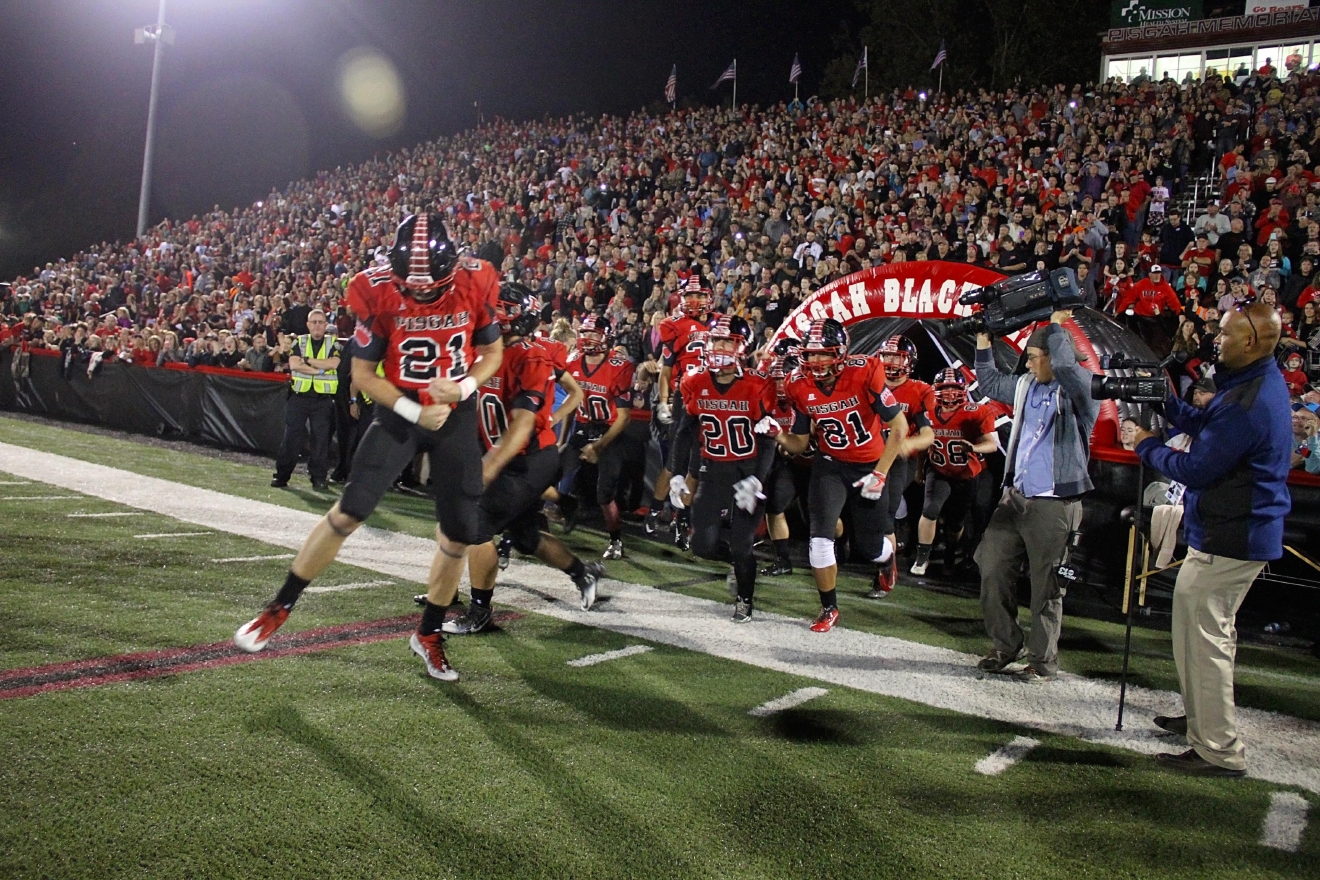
(612, 215)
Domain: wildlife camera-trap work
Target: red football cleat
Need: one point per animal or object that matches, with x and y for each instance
(885, 578)
(431, 648)
(825, 621)
(253, 635)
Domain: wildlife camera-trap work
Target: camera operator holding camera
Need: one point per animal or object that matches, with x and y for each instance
(1236, 499)
(1045, 477)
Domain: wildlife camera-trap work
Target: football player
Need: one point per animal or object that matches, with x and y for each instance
(682, 342)
(716, 443)
(790, 475)
(517, 407)
(606, 379)
(843, 404)
(963, 433)
(915, 398)
(429, 317)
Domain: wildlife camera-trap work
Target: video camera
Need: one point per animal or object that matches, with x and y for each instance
(1147, 384)
(1017, 302)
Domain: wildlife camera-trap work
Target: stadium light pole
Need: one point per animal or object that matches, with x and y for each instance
(160, 35)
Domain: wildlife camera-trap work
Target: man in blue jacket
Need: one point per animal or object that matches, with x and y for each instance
(1236, 475)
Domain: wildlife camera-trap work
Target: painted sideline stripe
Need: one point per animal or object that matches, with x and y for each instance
(1285, 823)
(15, 483)
(593, 659)
(339, 588)
(174, 661)
(1283, 748)
(42, 498)
(99, 515)
(174, 535)
(788, 701)
(253, 558)
(1005, 757)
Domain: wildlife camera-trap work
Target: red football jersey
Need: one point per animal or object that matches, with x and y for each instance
(914, 398)
(525, 380)
(683, 342)
(726, 415)
(557, 350)
(955, 431)
(605, 387)
(417, 342)
(848, 422)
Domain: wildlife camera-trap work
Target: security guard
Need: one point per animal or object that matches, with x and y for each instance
(313, 381)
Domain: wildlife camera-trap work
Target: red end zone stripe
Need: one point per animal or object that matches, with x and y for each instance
(174, 661)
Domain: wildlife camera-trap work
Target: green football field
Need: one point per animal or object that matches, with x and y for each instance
(340, 758)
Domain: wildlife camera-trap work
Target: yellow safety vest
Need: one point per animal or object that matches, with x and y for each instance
(325, 383)
(366, 399)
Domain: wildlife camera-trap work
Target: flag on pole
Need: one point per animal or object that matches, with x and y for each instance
(730, 73)
(671, 85)
(861, 65)
(795, 72)
(940, 56)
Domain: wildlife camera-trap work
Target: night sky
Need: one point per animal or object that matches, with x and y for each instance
(249, 97)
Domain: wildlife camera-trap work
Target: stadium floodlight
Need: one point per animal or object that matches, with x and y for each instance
(162, 35)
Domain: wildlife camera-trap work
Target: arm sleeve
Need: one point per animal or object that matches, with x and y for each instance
(679, 455)
(1224, 439)
(1075, 378)
(991, 380)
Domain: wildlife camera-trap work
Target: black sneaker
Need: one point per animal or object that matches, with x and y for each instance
(742, 611)
(652, 521)
(568, 507)
(474, 620)
(682, 536)
(778, 567)
(586, 584)
(504, 550)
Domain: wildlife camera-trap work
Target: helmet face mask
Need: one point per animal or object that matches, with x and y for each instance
(950, 389)
(899, 356)
(695, 302)
(732, 334)
(517, 311)
(824, 349)
(594, 336)
(422, 257)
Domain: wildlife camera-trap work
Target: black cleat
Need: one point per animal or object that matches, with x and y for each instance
(504, 550)
(586, 584)
(320, 485)
(474, 620)
(778, 567)
(568, 507)
(278, 482)
(652, 521)
(742, 611)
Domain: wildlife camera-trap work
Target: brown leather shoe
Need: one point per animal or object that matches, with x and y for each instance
(1172, 723)
(1192, 764)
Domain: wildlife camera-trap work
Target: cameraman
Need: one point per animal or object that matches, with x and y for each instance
(1045, 477)
(1237, 496)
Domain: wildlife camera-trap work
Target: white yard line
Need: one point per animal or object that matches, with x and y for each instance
(148, 537)
(1282, 748)
(254, 558)
(788, 701)
(15, 483)
(341, 588)
(1285, 823)
(100, 515)
(1003, 758)
(593, 659)
(43, 498)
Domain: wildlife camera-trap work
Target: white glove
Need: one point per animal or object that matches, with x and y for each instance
(769, 427)
(664, 413)
(746, 493)
(872, 485)
(677, 489)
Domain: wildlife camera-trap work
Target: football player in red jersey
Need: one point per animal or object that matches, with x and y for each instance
(716, 443)
(963, 432)
(791, 473)
(682, 343)
(844, 404)
(429, 317)
(915, 397)
(606, 379)
(522, 460)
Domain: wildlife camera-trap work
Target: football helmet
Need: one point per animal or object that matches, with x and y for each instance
(595, 336)
(727, 327)
(899, 355)
(824, 349)
(422, 257)
(696, 298)
(950, 388)
(517, 311)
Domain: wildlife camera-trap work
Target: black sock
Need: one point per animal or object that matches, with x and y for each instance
(482, 597)
(576, 569)
(616, 535)
(744, 571)
(923, 553)
(292, 589)
(781, 548)
(829, 600)
(433, 618)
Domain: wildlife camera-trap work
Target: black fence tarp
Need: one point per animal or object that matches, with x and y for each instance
(219, 410)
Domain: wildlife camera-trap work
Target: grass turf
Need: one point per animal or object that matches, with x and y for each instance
(351, 763)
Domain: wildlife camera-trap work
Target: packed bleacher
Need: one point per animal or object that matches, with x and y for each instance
(614, 214)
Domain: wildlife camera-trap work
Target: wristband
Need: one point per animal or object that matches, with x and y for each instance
(466, 386)
(408, 409)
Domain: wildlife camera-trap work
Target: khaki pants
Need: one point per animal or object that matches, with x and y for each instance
(1209, 591)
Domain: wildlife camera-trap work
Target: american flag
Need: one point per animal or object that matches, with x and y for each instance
(861, 65)
(795, 72)
(730, 72)
(940, 57)
(671, 85)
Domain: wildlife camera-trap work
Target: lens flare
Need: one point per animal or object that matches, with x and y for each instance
(371, 92)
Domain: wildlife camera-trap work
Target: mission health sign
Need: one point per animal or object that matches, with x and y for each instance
(1135, 13)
